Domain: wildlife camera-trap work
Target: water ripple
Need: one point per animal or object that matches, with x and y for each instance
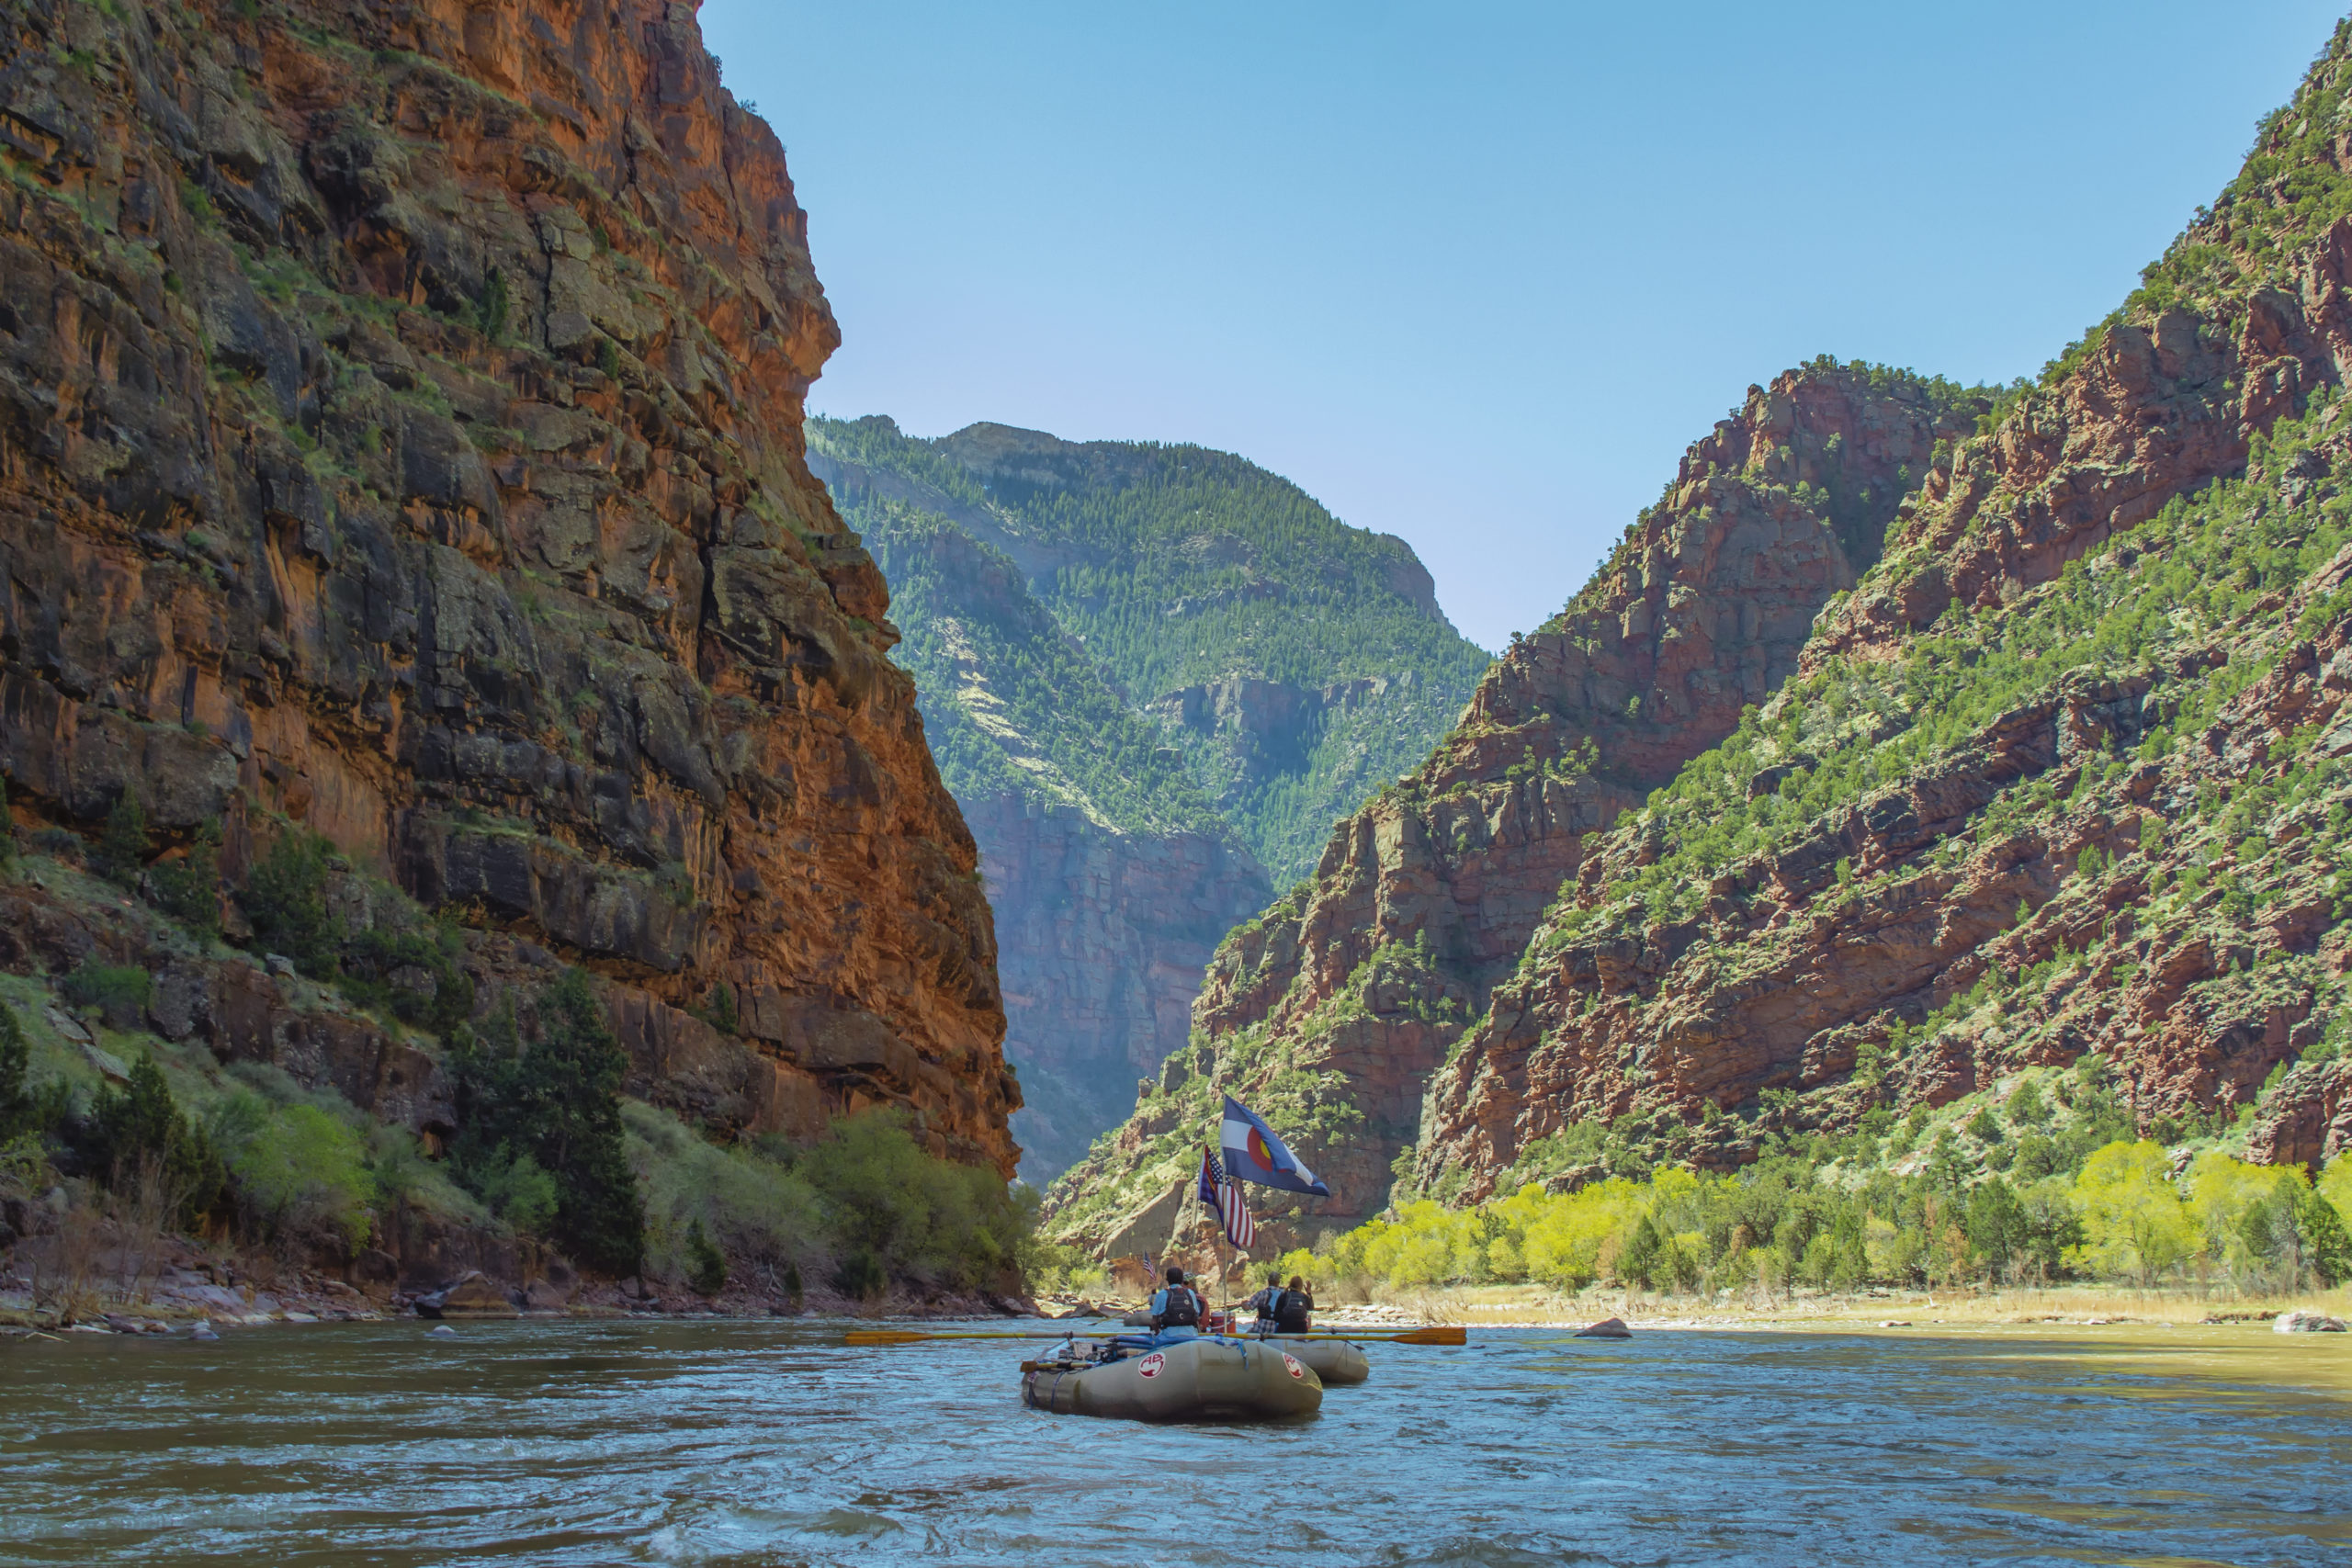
(757, 1446)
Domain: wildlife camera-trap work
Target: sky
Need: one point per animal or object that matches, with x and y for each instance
(1475, 273)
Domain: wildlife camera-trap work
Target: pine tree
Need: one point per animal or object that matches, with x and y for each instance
(139, 1133)
(557, 1098)
(121, 851)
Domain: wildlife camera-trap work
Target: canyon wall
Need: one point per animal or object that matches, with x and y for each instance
(400, 439)
(2100, 684)
(1115, 832)
(1104, 936)
(1330, 1012)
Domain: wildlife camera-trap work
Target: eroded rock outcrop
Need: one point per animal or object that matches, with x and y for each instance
(1332, 1009)
(1105, 937)
(399, 436)
(2064, 776)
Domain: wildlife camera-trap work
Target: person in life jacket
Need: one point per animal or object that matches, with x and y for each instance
(1268, 1302)
(1295, 1311)
(1175, 1310)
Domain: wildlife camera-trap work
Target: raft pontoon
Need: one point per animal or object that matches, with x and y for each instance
(1152, 1378)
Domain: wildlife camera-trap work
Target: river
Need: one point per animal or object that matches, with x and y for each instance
(743, 1444)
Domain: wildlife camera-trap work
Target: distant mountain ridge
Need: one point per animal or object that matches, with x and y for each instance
(1147, 673)
(1296, 663)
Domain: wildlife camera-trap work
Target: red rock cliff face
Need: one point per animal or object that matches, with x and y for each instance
(2144, 849)
(1103, 938)
(400, 431)
(1426, 897)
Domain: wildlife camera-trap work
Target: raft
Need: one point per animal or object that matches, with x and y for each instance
(1336, 1361)
(1141, 1379)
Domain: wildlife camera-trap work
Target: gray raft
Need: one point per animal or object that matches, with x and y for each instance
(1189, 1379)
(1336, 1361)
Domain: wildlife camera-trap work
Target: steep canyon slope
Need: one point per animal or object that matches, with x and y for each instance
(1331, 1010)
(2064, 777)
(400, 439)
(1112, 878)
(1048, 590)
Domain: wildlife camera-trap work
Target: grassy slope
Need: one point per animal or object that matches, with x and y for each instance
(1183, 567)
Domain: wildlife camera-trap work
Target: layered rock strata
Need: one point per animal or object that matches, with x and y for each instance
(1332, 1010)
(400, 438)
(2104, 671)
(1104, 936)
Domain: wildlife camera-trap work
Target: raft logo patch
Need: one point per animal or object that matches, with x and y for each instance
(1291, 1364)
(1151, 1366)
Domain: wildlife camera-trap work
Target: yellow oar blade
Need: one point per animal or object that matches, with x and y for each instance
(1454, 1335)
(1451, 1334)
(908, 1337)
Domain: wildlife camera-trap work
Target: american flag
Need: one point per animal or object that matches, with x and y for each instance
(1225, 1194)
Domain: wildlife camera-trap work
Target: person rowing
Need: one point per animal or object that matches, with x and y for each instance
(1175, 1310)
(1268, 1303)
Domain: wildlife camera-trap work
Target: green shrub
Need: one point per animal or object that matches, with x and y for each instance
(705, 1265)
(285, 898)
(139, 1135)
(121, 990)
(555, 1097)
(495, 306)
(189, 888)
(122, 849)
(518, 1189)
(376, 956)
(718, 1009)
(2326, 1244)
(909, 1215)
(746, 1197)
(299, 1169)
(860, 1276)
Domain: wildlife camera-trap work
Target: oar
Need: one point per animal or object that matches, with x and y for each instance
(904, 1336)
(1451, 1335)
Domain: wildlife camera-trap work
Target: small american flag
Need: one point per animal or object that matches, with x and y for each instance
(1222, 1191)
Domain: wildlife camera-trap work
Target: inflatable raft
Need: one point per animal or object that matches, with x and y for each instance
(1143, 1378)
(1336, 1361)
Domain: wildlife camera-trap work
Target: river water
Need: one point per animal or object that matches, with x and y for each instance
(743, 1444)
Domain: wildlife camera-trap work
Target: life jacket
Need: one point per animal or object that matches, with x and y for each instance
(1293, 1310)
(1268, 1302)
(1176, 1307)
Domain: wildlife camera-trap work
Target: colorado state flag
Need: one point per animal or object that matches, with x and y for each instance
(1252, 1153)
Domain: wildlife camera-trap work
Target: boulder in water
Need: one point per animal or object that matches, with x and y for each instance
(2307, 1323)
(1607, 1328)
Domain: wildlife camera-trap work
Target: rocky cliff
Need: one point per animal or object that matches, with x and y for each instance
(1332, 1011)
(400, 439)
(1111, 875)
(2063, 776)
(1115, 831)
(1104, 936)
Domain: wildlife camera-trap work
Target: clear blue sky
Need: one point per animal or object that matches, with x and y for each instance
(1475, 273)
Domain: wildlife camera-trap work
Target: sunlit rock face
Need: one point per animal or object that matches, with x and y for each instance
(401, 436)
